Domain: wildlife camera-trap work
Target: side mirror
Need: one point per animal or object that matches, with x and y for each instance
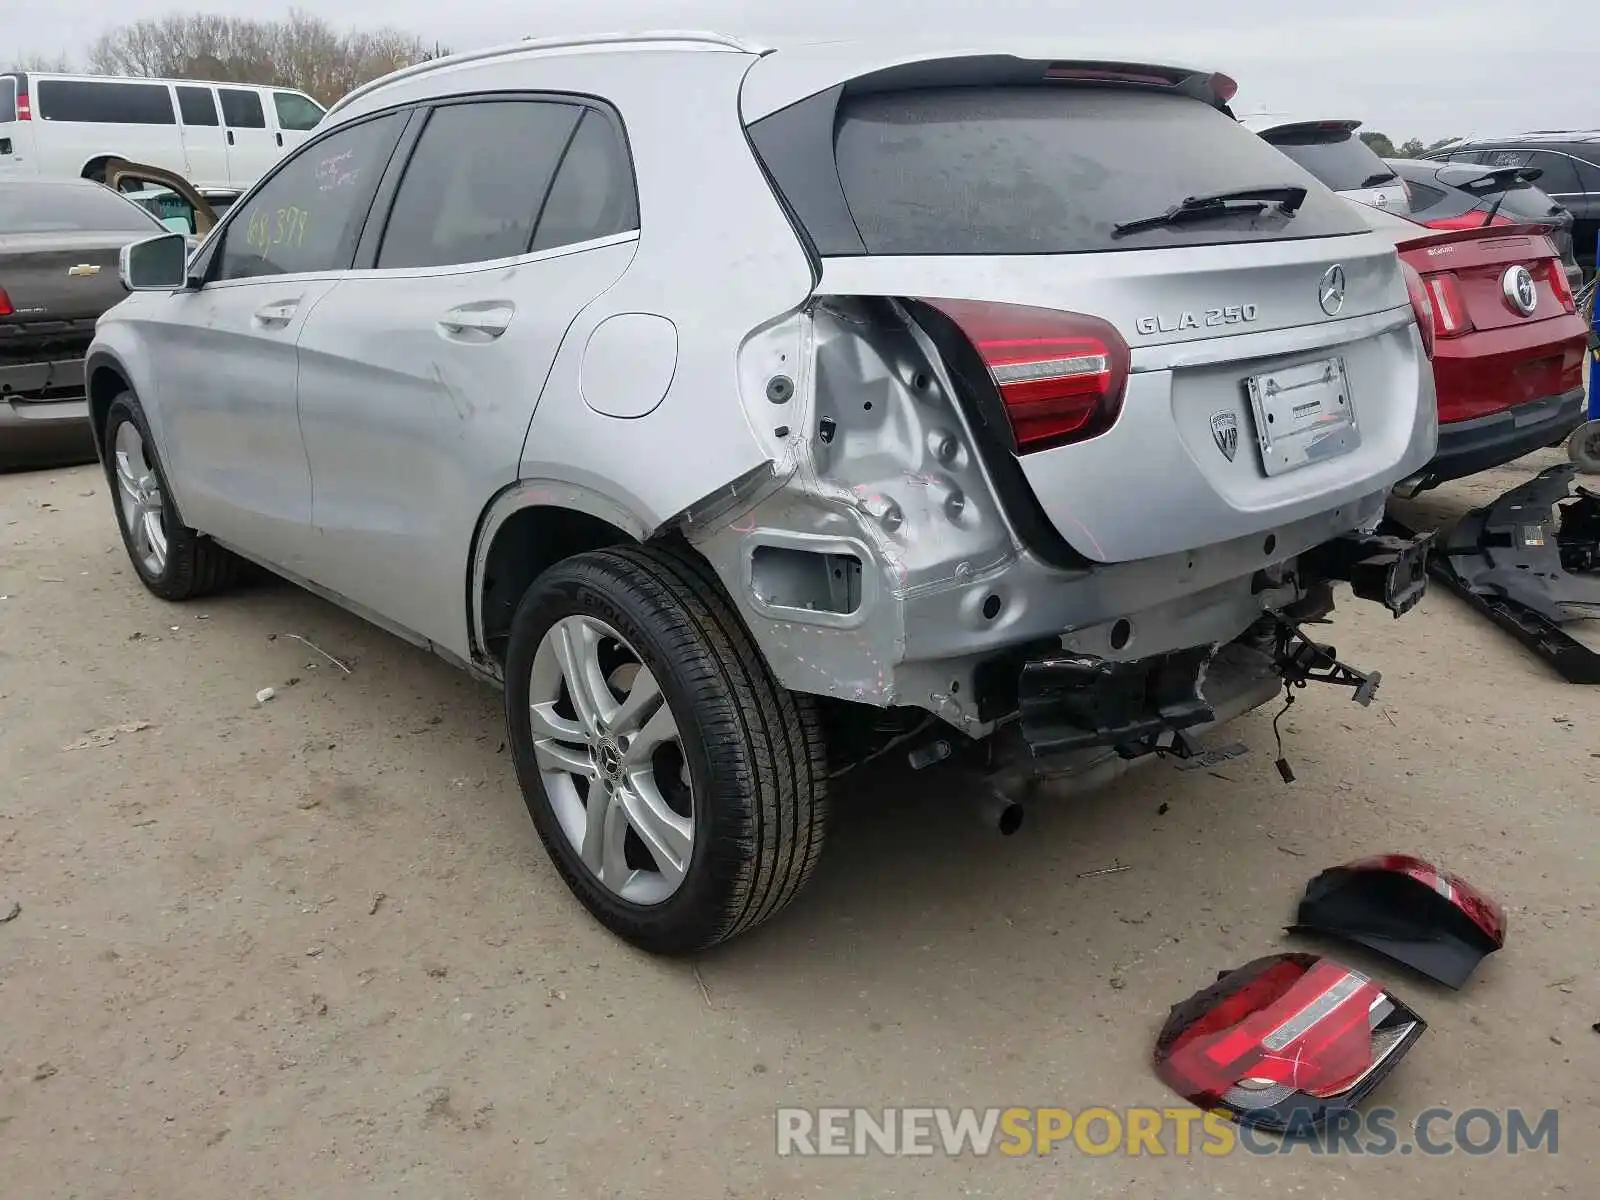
(156, 264)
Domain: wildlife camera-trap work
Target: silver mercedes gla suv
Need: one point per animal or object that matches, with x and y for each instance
(747, 414)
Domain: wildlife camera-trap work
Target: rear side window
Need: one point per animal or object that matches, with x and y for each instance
(593, 196)
(1026, 170)
(475, 183)
(1424, 199)
(197, 105)
(309, 215)
(1560, 177)
(69, 208)
(296, 112)
(8, 99)
(103, 103)
(242, 109)
(1336, 156)
(1588, 175)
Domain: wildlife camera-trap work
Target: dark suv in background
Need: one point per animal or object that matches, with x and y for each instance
(1570, 162)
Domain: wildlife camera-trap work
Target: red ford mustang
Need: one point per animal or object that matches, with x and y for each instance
(1507, 343)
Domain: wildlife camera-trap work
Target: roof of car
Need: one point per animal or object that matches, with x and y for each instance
(1531, 137)
(796, 69)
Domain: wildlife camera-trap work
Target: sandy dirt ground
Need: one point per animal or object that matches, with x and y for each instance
(312, 947)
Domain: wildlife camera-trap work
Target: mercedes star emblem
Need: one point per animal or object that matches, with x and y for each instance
(1330, 292)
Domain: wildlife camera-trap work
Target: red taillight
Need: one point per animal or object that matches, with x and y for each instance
(1484, 911)
(1060, 375)
(24, 112)
(1450, 317)
(1284, 1041)
(1225, 87)
(1556, 277)
(5, 304)
(1420, 305)
(1468, 220)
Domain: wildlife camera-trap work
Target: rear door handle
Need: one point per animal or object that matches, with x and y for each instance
(479, 322)
(280, 312)
(230, 137)
(280, 139)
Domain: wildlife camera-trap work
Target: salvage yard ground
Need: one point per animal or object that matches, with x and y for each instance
(312, 947)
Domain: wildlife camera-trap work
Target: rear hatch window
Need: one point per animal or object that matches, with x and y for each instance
(1029, 170)
(1336, 156)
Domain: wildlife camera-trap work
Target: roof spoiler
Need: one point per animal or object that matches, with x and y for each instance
(1501, 179)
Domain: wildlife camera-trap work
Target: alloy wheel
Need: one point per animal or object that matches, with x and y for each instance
(611, 759)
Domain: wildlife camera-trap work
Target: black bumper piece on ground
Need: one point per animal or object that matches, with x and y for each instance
(1531, 567)
(1467, 447)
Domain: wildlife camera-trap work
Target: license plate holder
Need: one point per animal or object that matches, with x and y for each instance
(1303, 414)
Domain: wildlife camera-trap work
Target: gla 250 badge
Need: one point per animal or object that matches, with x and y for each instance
(1232, 314)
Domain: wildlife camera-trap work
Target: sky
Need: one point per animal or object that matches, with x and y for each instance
(1408, 68)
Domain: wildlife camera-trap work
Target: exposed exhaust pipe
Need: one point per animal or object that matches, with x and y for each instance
(1000, 812)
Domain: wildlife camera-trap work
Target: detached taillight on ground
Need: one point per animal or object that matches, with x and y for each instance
(1421, 305)
(1060, 376)
(1408, 910)
(1284, 1042)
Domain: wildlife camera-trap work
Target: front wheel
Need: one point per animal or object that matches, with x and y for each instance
(174, 561)
(679, 789)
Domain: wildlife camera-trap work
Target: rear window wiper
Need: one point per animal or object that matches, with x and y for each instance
(1380, 177)
(1287, 199)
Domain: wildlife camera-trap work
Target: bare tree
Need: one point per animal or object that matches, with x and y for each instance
(37, 62)
(301, 51)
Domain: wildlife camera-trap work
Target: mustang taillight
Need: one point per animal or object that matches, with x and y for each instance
(1420, 305)
(1407, 909)
(1450, 317)
(1060, 375)
(1284, 1042)
(1556, 277)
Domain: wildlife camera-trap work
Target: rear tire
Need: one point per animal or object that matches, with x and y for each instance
(173, 561)
(743, 769)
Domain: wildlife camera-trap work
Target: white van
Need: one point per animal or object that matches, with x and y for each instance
(220, 136)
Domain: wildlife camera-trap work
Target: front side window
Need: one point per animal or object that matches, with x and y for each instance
(476, 182)
(296, 112)
(308, 216)
(242, 109)
(97, 103)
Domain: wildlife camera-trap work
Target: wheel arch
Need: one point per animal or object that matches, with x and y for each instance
(105, 378)
(526, 529)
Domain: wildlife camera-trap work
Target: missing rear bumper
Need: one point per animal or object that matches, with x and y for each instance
(1079, 702)
(1391, 571)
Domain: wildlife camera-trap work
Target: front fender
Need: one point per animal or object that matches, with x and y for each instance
(117, 347)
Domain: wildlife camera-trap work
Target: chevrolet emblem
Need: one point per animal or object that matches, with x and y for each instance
(84, 269)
